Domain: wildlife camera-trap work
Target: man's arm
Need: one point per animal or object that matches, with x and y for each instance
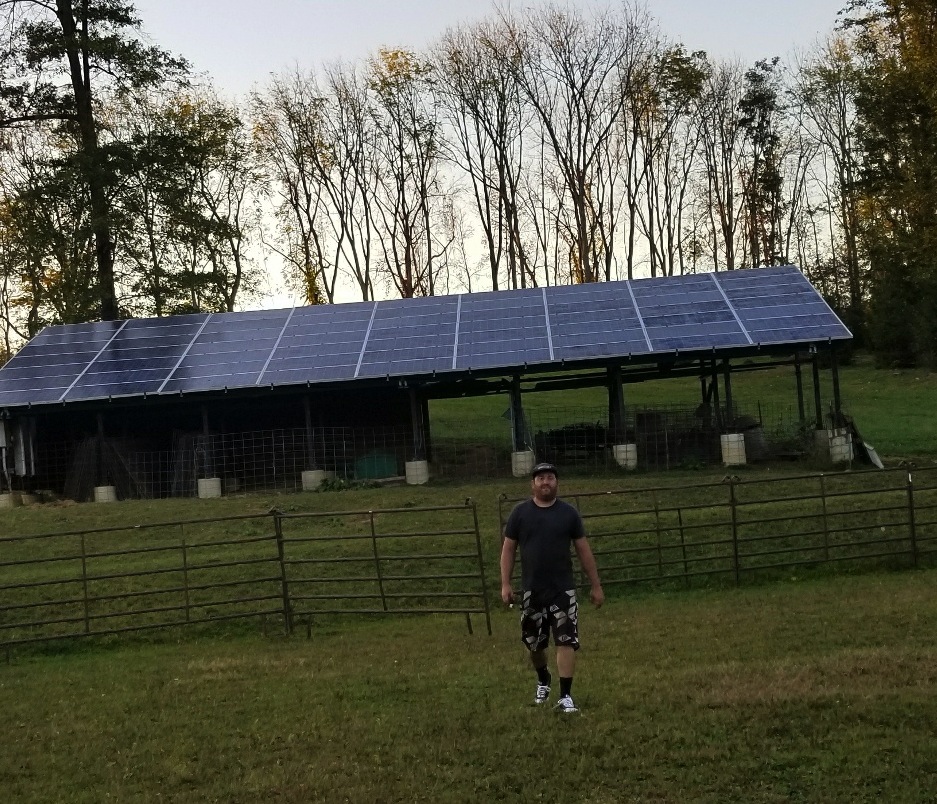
(508, 552)
(587, 561)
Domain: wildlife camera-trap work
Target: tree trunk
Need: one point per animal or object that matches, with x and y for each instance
(79, 71)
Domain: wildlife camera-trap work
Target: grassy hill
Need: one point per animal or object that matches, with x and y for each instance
(894, 409)
(816, 687)
(820, 690)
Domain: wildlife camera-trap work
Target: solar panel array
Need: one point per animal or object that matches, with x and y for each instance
(418, 337)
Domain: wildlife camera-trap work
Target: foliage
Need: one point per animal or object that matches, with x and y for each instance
(60, 61)
(184, 207)
(896, 45)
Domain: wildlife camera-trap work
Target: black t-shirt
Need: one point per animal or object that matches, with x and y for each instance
(545, 536)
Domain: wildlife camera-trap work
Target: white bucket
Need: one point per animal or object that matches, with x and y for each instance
(417, 472)
(313, 478)
(209, 488)
(522, 462)
(105, 494)
(10, 499)
(733, 449)
(840, 445)
(626, 455)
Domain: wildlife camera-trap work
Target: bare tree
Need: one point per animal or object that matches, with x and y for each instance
(663, 154)
(479, 95)
(722, 138)
(826, 92)
(410, 195)
(576, 73)
(289, 118)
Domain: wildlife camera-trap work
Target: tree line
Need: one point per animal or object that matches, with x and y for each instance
(555, 146)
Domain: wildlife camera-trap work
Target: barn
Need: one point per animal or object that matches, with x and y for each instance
(213, 403)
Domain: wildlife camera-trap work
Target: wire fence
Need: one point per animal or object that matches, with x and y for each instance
(665, 437)
(116, 580)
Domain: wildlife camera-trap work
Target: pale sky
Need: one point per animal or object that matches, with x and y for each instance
(239, 43)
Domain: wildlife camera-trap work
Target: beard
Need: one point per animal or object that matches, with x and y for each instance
(546, 493)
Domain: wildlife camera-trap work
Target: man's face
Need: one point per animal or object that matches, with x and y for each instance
(543, 486)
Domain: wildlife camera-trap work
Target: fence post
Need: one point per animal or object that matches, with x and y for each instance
(281, 557)
(686, 568)
(377, 561)
(912, 526)
(660, 555)
(733, 503)
(826, 524)
(481, 568)
(84, 585)
(185, 573)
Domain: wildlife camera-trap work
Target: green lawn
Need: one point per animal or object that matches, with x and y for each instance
(820, 690)
(812, 688)
(894, 409)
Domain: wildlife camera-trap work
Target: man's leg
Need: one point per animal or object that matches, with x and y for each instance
(534, 630)
(565, 661)
(566, 664)
(538, 658)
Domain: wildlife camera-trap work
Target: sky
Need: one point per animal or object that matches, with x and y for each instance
(240, 43)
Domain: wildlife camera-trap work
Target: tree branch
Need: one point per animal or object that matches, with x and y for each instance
(9, 122)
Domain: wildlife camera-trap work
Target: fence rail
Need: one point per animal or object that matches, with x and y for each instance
(301, 566)
(745, 528)
(116, 580)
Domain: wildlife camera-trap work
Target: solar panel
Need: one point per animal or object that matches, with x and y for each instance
(138, 358)
(411, 336)
(502, 330)
(695, 317)
(779, 304)
(230, 350)
(50, 363)
(320, 343)
(589, 321)
(493, 331)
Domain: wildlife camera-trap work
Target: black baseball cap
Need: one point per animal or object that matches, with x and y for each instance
(540, 468)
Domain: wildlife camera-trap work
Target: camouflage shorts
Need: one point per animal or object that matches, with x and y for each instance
(557, 611)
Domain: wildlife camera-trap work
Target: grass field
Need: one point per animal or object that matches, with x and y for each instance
(821, 690)
(813, 688)
(894, 409)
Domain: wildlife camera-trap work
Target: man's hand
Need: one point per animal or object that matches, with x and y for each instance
(596, 595)
(507, 593)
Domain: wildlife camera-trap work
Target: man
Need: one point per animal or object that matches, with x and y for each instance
(544, 527)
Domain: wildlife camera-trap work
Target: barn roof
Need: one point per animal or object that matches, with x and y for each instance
(537, 329)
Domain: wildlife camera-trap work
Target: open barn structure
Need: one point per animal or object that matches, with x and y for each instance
(89, 405)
